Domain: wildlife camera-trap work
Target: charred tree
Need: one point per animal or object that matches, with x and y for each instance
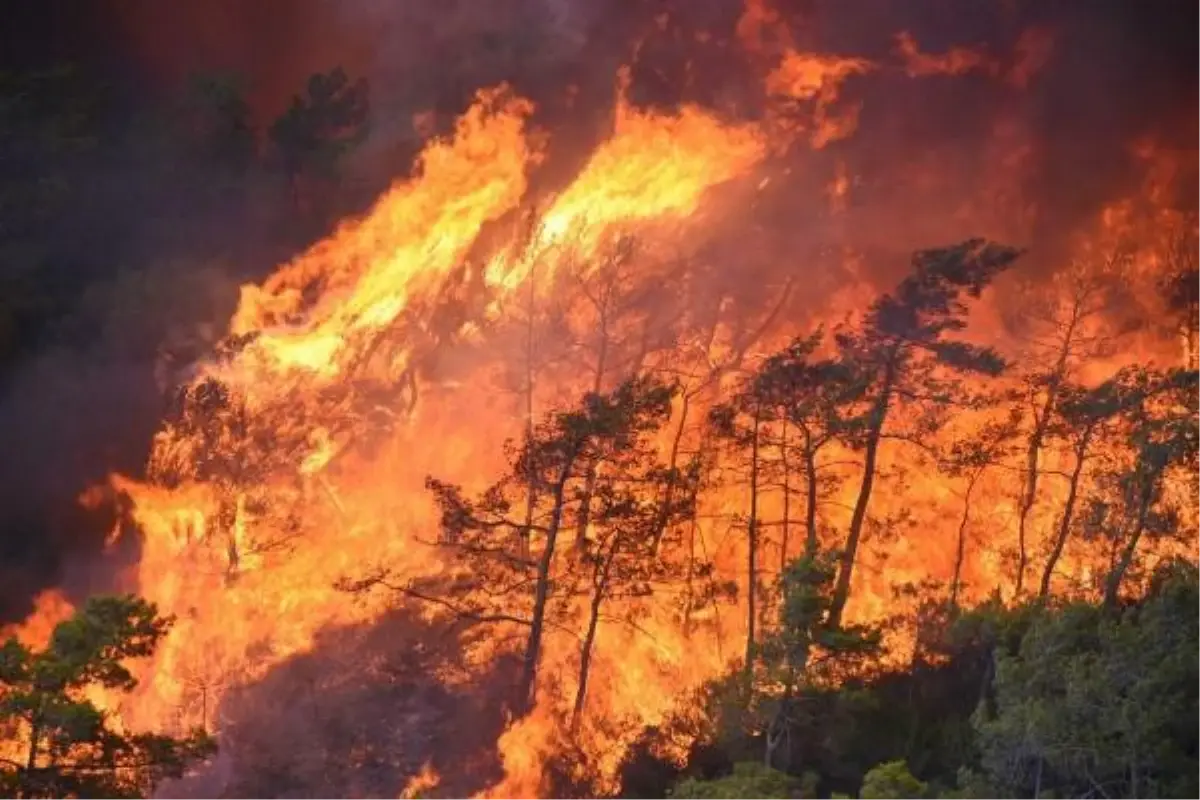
(1180, 286)
(968, 459)
(1161, 435)
(904, 354)
(1082, 415)
(554, 461)
(1068, 316)
(624, 560)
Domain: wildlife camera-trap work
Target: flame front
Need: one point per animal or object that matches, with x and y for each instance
(299, 458)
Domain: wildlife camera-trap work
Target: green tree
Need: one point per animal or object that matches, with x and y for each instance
(1100, 704)
(891, 779)
(749, 779)
(63, 745)
(807, 650)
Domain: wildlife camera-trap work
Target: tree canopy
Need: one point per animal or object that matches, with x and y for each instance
(58, 741)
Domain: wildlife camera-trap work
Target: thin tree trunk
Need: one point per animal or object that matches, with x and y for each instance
(841, 590)
(810, 512)
(690, 581)
(1036, 438)
(589, 485)
(660, 525)
(1113, 584)
(1029, 488)
(530, 490)
(1068, 515)
(35, 742)
(787, 499)
(960, 552)
(778, 730)
(533, 646)
(693, 533)
(599, 590)
(752, 549)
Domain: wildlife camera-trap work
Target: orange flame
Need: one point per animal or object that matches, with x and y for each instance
(49, 609)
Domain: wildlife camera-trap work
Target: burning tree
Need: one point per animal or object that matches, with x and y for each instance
(1181, 286)
(595, 455)
(905, 357)
(306, 431)
(967, 459)
(1084, 420)
(781, 420)
(1067, 332)
(1160, 435)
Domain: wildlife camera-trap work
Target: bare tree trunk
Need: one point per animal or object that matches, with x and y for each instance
(961, 551)
(689, 602)
(841, 589)
(1041, 422)
(599, 590)
(35, 740)
(530, 490)
(1030, 485)
(533, 646)
(693, 534)
(810, 512)
(787, 499)
(752, 549)
(1112, 585)
(660, 526)
(589, 485)
(1068, 515)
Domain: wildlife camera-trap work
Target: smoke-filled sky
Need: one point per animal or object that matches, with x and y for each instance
(1116, 69)
(1116, 73)
(1132, 56)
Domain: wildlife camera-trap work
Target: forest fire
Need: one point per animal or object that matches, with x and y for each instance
(50, 608)
(342, 456)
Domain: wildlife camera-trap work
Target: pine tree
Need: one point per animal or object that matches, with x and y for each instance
(555, 460)
(904, 351)
(63, 745)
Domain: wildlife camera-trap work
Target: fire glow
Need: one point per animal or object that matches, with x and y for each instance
(413, 341)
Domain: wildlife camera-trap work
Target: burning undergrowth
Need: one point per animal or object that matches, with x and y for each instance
(371, 709)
